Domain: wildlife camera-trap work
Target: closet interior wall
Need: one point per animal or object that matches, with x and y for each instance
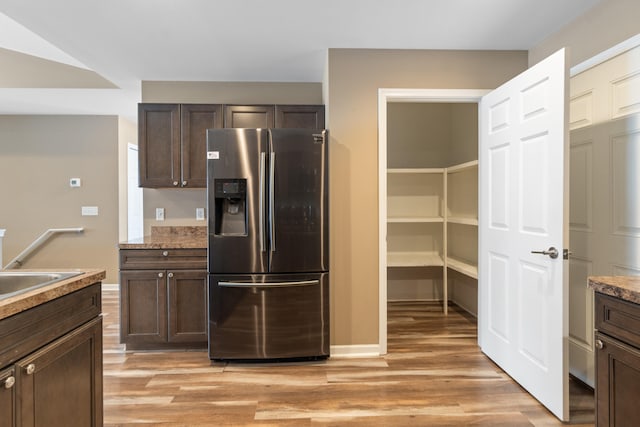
(425, 141)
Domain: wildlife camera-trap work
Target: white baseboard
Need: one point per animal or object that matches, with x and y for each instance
(110, 287)
(367, 350)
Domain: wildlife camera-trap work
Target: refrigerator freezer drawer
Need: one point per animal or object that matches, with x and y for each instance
(260, 317)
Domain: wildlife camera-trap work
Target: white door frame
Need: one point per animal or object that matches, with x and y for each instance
(401, 95)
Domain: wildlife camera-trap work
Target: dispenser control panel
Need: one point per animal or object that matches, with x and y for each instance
(230, 188)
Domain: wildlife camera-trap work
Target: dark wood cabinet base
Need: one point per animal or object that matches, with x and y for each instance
(51, 363)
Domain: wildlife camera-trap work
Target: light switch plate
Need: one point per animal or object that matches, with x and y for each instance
(89, 211)
(75, 182)
(159, 214)
(200, 214)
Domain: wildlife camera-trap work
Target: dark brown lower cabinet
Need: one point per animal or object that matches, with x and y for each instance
(58, 384)
(54, 375)
(618, 383)
(617, 362)
(8, 397)
(163, 309)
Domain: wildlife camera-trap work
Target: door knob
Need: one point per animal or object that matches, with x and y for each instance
(552, 252)
(599, 344)
(9, 382)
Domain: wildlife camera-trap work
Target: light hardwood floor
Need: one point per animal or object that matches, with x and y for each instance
(434, 375)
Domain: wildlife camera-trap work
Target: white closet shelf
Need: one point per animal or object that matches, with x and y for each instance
(415, 170)
(464, 267)
(414, 259)
(462, 166)
(411, 219)
(462, 220)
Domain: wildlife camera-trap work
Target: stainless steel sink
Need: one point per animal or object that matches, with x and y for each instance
(15, 282)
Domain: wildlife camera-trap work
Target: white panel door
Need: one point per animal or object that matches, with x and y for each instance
(523, 303)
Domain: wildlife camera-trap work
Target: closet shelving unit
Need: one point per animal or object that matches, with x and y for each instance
(461, 216)
(415, 217)
(425, 208)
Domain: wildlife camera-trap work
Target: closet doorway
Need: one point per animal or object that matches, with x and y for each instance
(428, 197)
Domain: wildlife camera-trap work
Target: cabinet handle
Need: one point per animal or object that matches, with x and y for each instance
(160, 274)
(31, 368)
(175, 183)
(165, 253)
(9, 382)
(599, 344)
(170, 274)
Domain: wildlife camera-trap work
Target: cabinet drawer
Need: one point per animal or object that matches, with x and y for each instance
(617, 318)
(24, 332)
(147, 259)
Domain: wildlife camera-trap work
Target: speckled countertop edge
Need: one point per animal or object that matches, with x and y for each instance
(170, 237)
(164, 243)
(626, 288)
(21, 302)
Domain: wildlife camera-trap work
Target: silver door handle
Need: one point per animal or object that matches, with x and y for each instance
(263, 161)
(272, 180)
(552, 252)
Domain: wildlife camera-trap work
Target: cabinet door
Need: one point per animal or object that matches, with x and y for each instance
(61, 384)
(300, 116)
(159, 145)
(187, 306)
(7, 398)
(617, 383)
(249, 116)
(143, 306)
(195, 119)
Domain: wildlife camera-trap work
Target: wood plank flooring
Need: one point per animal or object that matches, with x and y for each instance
(434, 375)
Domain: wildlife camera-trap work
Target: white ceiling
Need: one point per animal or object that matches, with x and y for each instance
(128, 41)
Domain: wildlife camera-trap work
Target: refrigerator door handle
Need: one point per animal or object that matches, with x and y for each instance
(268, 285)
(263, 162)
(272, 179)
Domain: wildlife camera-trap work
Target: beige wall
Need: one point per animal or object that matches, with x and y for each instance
(38, 156)
(180, 204)
(354, 77)
(605, 25)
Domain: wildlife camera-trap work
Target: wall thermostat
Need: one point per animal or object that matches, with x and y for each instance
(75, 182)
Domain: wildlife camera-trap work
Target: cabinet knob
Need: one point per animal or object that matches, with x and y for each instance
(184, 183)
(599, 344)
(165, 253)
(31, 368)
(175, 183)
(160, 274)
(9, 382)
(170, 274)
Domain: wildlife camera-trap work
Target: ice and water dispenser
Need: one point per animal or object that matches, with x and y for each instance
(230, 207)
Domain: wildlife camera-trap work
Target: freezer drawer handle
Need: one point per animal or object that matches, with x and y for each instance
(268, 285)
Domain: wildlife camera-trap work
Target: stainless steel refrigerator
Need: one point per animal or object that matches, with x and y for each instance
(267, 195)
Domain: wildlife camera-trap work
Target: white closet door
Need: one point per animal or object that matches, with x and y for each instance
(523, 304)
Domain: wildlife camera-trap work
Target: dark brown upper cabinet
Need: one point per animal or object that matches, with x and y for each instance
(300, 116)
(249, 116)
(172, 138)
(172, 143)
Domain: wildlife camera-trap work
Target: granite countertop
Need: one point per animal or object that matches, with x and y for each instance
(170, 237)
(24, 301)
(626, 288)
